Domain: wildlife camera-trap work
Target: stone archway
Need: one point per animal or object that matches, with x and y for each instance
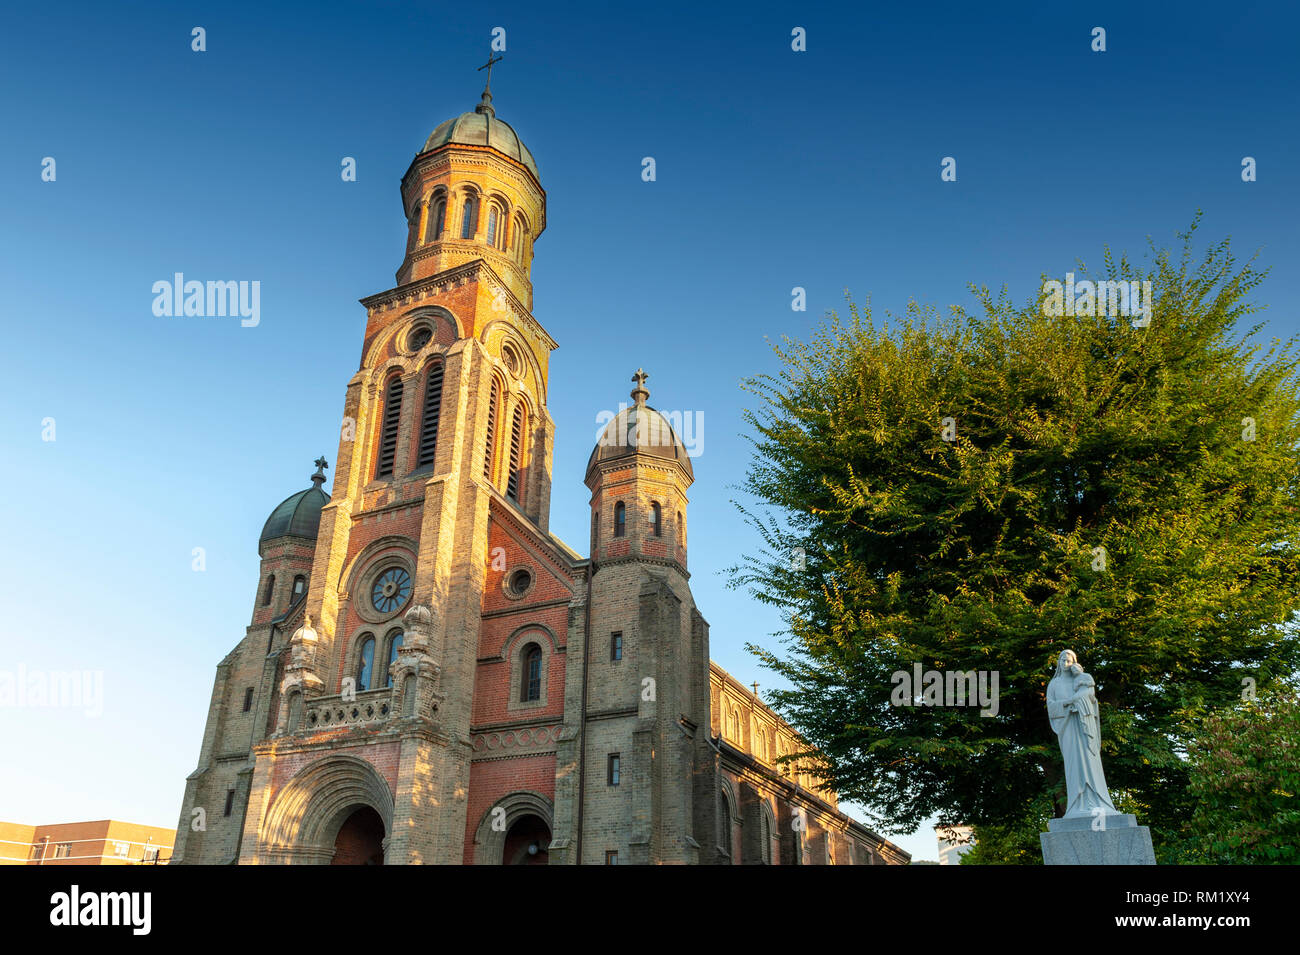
(527, 842)
(304, 822)
(360, 840)
(514, 822)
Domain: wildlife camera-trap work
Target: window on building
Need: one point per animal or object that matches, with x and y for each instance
(681, 531)
(395, 640)
(515, 478)
(365, 663)
(516, 238)
(656, 524)
(230, 802)
(620, 519)
(491, 236)
(248, 699)
(63, 850)
(532, 679)
(489, 451)
(469, 220)
(151, 856)
(269, 592)
(121, 849)
(432, 414)
(388, 434)
(765, 838)
(725, 825)
(616, 646)
(299, 589)
(612, 775)
(439, 220)
(611, 857)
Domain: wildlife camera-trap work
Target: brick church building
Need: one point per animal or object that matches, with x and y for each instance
(429, 675)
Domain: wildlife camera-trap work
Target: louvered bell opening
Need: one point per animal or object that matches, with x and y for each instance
(388, 439)
(491, 431)
(429, 421)
(516, 445)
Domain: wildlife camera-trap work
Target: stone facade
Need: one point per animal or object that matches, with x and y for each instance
(449, 683)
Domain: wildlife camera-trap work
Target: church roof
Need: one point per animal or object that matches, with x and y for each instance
(640, 429)
(298, 515)
(482, 128)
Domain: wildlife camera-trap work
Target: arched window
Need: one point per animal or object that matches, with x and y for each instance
(595, 529)
(489, 451)
(388, 435)
(394, 644)
(270, 590)
(469, 218)
(365, 663)
(681, 531)
(531, 688)
(517, 238)
(413, 225)
(439, 221)
(656, 523)
(725, 824)
(514, 479)
(765, 837)
(491, 236)
(299, 589)
(620, 519)
(432, 412)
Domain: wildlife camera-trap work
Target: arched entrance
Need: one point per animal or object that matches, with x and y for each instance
(340, 802)
(527, 842)
(512, 826)
(360, 840)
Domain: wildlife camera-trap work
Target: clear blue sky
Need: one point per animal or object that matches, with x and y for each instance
(775, 169)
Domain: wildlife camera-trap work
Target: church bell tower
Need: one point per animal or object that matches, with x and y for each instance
(445, 417)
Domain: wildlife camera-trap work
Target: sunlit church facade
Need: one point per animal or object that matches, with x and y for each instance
(429, 675)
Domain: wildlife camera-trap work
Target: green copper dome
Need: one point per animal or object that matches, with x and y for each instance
(482, 128)
(299, 514)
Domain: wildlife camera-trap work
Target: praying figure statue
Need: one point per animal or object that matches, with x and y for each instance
(1073, 711)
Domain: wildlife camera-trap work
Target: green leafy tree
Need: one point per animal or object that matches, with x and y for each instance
(976, 492)
(1245, 780)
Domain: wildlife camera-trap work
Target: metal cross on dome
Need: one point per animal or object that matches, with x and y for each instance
(488, 66)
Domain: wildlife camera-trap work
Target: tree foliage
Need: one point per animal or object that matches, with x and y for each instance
(1245, 780)
(886, 544)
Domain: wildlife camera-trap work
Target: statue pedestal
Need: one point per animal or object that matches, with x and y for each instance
(1117, 839)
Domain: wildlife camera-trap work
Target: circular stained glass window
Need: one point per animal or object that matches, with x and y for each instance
(520, 580)
(391, 590)
(420, 337)
(511, 360)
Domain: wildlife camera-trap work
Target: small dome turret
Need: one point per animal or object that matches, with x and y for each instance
(299, 514)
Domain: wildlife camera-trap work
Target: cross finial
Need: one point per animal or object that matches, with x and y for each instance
(485, 106)
(640, 393)
(755, 685)
(321, 465)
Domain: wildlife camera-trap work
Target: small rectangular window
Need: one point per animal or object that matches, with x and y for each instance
(611, 857)
(613, 769)
(230, 802)
(120, 849)
(616, 645)
(248, 699)
(63, 850)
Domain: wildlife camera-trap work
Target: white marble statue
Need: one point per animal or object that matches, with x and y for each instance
(1072, 709)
